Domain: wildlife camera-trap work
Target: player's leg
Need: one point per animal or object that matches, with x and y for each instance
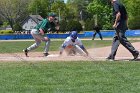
(69, 51)
(72, 52)
(47, 45)
(94, 35)
(36, 44)
(100, 35)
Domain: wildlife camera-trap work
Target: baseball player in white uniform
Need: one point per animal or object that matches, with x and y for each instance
(73, 45)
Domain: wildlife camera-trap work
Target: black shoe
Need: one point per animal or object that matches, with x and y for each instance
(109, 59)
(135, 56)
(26, 52)
(46, 54)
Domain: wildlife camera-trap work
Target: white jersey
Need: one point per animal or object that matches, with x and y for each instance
(77, 47)
(68, 42)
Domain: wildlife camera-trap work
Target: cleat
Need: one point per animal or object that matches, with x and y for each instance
(135, 56)
(109, 59)
(46, 54)
(26, 52)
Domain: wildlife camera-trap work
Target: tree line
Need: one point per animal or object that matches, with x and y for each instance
(81, 14)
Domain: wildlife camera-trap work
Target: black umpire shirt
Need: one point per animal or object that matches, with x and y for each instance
(118, 7)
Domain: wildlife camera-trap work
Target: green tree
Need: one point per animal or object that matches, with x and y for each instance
(78, 8)
(101, 13)
(39, 7)
(13, 10)
(89, 23)
(72, 24)
(63, 26)
(60, 8)
(133, 9)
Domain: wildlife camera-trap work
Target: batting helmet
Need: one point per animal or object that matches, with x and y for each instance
(73, 35)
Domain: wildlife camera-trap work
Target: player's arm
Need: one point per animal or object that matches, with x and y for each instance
(43, 27)
(41, 31)
(62, 49)
(84, 49)
(82, 46)
(63, 46)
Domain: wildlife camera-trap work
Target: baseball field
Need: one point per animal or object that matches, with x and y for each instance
(68, 74)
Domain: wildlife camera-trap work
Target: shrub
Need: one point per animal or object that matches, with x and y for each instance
(134, 22)
(17, 27)
(6, 32)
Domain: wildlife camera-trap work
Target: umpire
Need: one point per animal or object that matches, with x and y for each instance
(120, 26)
(97, 30)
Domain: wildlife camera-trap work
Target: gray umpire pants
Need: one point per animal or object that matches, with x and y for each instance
(121, 38)
(38, 38)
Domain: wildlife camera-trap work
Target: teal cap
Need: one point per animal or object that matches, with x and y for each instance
(52, 14)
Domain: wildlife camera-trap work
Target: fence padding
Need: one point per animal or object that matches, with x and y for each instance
(86, 34)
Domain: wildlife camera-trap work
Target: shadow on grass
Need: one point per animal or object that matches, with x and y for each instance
(128, 59)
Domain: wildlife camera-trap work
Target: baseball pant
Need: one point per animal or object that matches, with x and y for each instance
(99, 33)
(38, 38)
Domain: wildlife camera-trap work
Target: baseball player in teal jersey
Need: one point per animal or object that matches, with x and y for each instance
(38, 34)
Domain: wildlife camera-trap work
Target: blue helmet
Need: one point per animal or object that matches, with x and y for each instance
(73, 35)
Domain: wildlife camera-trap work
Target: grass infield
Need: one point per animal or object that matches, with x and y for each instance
(18, 46)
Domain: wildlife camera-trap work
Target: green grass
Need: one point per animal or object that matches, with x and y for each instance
(18, 46)
(70, 77)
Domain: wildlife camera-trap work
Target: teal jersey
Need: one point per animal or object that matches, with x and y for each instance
(44, 25)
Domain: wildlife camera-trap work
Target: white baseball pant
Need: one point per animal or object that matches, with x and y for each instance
(38, 38)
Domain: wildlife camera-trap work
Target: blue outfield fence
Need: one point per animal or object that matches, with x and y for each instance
(86, 34)
(111, 33)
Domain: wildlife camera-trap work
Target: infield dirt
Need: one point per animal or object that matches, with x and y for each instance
(96, 54)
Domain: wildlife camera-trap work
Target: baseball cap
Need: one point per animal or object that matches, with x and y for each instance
(52, 14)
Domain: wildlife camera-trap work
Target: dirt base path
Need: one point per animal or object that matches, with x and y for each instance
(96, 54)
